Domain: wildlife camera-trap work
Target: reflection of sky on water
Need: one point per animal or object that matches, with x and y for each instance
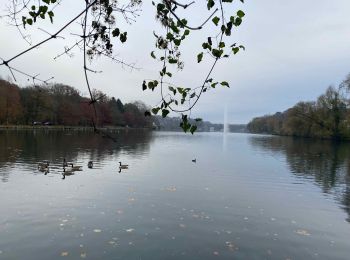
(242, 203)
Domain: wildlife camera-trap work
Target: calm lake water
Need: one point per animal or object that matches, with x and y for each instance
(246, 197)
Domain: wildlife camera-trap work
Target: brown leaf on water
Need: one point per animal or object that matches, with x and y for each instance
(231, 246)
(171, 189)
(302, 232)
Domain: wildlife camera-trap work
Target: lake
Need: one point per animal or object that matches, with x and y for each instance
(245, 197)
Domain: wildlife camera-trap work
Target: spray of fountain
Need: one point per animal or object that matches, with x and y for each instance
(225, 129)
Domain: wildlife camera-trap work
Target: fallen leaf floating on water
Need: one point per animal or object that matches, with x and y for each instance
(302, 232)
(231, 246)
(170, 189)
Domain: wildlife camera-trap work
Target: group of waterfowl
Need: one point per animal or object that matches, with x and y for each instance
(70, 168)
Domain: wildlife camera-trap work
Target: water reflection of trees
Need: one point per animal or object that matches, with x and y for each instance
(30, 147)
(325, 162)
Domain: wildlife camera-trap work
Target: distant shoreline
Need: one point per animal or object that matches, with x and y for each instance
(67, 128)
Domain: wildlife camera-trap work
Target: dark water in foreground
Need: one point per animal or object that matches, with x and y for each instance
(249, 197)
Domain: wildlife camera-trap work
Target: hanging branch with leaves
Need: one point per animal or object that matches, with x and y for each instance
(100, 27)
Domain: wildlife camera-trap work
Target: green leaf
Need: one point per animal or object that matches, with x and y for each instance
(152, 54)
(155, 110)
(235, 50)
(144, 86)
(177, 42)
(173, 90)
(199, 57)
(216, 20)
(240, 13)
(172, 60)
(165, 112)
(217, 53)
(160, 7)
(24, 21)
(210, 4)
(147, 113)
(51, 14)
(193, 129)
(29, 21)
(225, 83)
(238, 21)
(116, 32)
(123, 37)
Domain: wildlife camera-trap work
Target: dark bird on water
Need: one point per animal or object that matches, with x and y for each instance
(90, 164)
(123, 166)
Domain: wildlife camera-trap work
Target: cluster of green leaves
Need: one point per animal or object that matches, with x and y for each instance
(220, 50)
(41, 11)
(168, 45)
(104, 29)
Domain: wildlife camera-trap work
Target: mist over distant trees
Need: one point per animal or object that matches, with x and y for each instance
(60, 104)
(327, 117)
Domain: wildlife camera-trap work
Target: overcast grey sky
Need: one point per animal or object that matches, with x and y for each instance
(294, 51)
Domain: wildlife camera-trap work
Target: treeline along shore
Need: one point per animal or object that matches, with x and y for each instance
(62, 105)
(328, 117)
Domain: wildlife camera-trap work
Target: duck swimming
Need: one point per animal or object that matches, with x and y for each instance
(65, 164)
(123, 166)
(44, 164)
(67, 172)
(76, 167)
(90, 164)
